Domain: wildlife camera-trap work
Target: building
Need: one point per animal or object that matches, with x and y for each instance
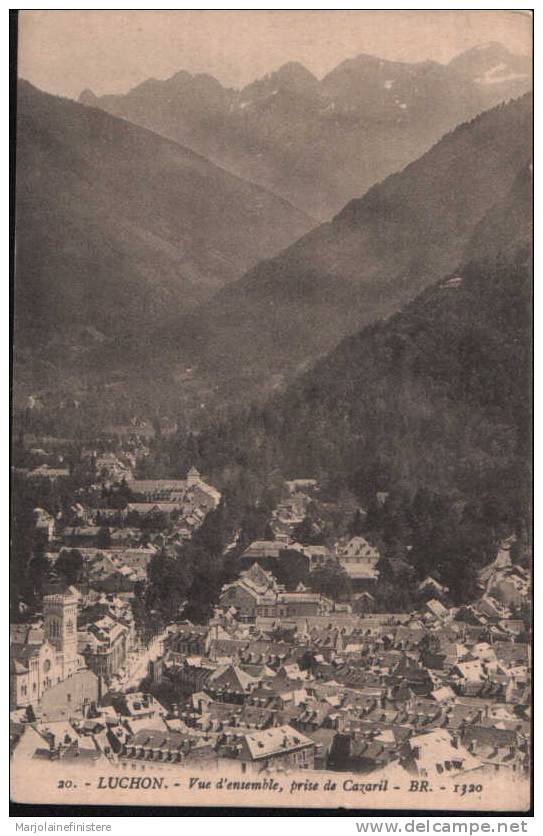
(295, 604)
(162, 749)
(44, 473)
(359, 560)
(104, 645)
(274, 749)
(36, 667)
(295, 485)
(33, 669)
(60, 621)
(254, 588)
(436, 753)
(267, 552)
(44, 525)
(172, 490)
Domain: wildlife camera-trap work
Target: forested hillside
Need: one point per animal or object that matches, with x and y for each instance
(368, 262)
(118, 229)
(431, 406)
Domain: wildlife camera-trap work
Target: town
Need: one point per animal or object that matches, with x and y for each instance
(293, 663)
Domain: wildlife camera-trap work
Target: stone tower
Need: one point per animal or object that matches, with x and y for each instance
(60, 616)
(193, 477)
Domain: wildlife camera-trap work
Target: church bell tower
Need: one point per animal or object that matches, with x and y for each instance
(60, 616)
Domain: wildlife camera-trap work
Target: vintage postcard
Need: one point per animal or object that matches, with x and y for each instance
(271, 483)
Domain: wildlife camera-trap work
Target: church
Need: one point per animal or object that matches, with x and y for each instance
(41, 659)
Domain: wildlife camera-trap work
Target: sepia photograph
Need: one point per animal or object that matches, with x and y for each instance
(271, 410)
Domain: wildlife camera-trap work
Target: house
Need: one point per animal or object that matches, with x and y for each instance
(363, 603)
(44, 473)
(295, 485)
(24, 741)
(193, 489)
(191, 676)
(166, 749)
(361, 574)
(295, 604)
(437, 609)
(491, 609)
(359, 559)
(62, 739)
(432, 587)
(436, 753)
(267, 552)
(137, 705)
(254, 588)
(104, 646)
(358, 547)
(44, 525)
(186, 640)
(276, 749)
(81, 535)
(318, 556)
(323, 740)
(499, 749)
(231, 683)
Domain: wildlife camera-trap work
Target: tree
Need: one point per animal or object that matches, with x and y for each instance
(331, 580)
(357, 525)
(291, 569)
(103, 539)
(308, 532)
(206, 583)
(170, 579)
(37, 574)
(69, 566)
(212, 535)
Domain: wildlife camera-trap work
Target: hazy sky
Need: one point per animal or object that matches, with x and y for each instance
(111, 51)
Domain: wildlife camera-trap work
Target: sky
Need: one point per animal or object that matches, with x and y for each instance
(64, 52)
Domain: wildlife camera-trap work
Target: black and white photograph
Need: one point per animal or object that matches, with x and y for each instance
(271, 472)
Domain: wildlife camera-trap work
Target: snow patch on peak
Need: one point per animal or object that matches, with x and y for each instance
(498, 73)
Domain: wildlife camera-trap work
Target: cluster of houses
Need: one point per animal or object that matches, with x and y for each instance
(441, 691)
(355, 555)
(277, 680)
(117, 543)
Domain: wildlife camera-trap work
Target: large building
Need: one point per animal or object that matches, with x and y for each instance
(191, 490)
(104, 645)
(256, 593)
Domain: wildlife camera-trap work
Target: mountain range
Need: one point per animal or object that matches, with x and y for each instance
(436, 397)
(374, 257)
(122, 237)
(319, 143)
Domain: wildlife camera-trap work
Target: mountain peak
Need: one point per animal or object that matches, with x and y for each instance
(486, 47)
(294, 71)
(490, 56)
(87, 97)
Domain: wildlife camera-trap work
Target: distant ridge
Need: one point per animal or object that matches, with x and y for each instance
(321, 143)
(117, 227)
(373, 258)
